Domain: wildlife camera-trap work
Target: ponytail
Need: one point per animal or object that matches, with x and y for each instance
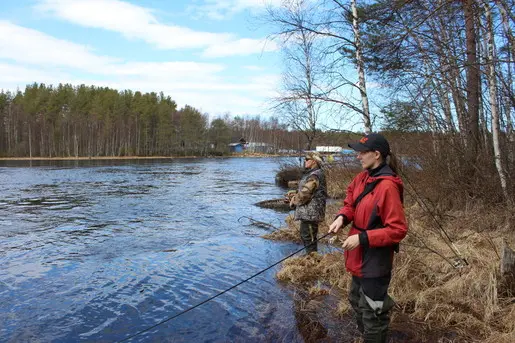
(393, 162)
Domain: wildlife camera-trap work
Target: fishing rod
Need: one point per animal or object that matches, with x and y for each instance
(220, 293)
(455, 251)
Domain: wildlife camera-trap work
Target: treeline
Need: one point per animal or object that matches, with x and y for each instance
(78, 121)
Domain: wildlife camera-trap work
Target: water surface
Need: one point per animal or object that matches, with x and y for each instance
(98, 250)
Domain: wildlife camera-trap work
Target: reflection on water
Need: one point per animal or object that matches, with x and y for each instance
(98, 250)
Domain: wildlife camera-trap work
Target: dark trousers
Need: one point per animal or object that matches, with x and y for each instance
(308, 234)
(372, 314)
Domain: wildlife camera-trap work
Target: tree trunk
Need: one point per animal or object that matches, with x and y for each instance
(30, 140)
(75, 141)
(8, 130)
(506, 27)
(492, 83)
(446, 105)
(472, 82)
(42, 141)
(508, 104)
(484, 69)
(452, 78)
(508, 269)
(361, 69)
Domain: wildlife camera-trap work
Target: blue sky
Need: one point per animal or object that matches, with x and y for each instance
(210, 54)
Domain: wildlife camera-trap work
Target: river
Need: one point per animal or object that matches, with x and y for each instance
(99, 250)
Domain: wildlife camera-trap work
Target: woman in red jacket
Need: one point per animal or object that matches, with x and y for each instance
(374, 206)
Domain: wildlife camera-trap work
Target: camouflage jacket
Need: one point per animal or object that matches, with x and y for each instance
(310, 198)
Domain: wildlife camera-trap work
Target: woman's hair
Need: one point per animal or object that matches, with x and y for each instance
(393, 162)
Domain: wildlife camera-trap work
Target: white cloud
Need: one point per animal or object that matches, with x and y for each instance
(268, 84)
(213, 98)
(253, 68)
(130, 20)
(240, 47)
(372, 85)
(136, 22)
(223, 9)
(17, 75)
(31, 46)
(236, 104)
(169, 70)
(28, 56)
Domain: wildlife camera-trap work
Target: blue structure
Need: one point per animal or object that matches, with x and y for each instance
(236, 147)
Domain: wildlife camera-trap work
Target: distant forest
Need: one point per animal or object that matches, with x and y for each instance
(89, 121)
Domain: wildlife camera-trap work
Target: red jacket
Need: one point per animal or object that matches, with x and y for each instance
(378, 219)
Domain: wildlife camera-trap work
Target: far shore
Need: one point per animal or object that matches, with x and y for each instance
(71, 158)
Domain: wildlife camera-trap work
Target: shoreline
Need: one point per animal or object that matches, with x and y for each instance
(85, 158)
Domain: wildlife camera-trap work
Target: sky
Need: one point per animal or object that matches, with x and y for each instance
(210, 54)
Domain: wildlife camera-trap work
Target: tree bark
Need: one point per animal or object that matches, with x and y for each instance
(472, 81)
(508, 104)
(508, 268)
(492, 83)
(360, 65)
(453, 78)
(30, 139)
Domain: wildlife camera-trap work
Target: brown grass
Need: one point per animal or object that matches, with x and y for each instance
(438, 297)
(336, 171)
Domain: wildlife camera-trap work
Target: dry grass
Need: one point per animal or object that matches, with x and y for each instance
(468, 299)
(435, 295)
(336, 190)
(289, 233)
(306, 271)
(288, 172)
(292, 172)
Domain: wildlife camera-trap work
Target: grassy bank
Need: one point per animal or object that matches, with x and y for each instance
(445, 290)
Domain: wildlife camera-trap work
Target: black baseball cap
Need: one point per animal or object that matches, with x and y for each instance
(372, 142)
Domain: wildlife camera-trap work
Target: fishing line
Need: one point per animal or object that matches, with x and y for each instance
(280, 261)
(220, 293)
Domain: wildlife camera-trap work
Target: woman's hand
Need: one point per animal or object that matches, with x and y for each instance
(336, 225)
(351, 243)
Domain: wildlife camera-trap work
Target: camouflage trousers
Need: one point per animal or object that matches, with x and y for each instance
(308, 234)
(372, 304)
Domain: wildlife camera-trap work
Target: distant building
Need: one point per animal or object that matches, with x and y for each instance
(262, 148)
(236, 147)
(252, 147)
(329, 149)
(289, 151)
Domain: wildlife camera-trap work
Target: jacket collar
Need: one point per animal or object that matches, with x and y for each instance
(383, 170)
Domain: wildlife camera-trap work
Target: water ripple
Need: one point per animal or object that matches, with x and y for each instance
(95, 252)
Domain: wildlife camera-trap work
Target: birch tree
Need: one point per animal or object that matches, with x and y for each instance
(360, 66)
(492, 88)
(299, 100)
(335, 24)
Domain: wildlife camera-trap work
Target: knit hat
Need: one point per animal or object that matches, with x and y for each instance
(315, 156)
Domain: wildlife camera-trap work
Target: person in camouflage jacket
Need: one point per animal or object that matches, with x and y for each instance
(309, 200)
